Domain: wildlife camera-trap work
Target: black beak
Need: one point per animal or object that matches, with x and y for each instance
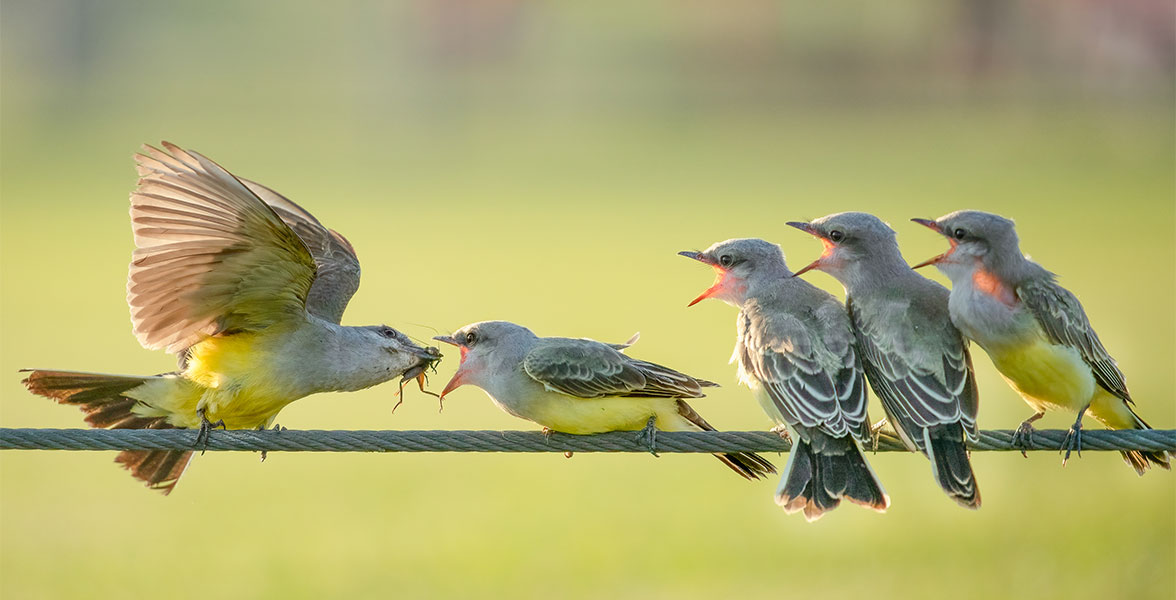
(929, 224)
(448, 339)
(805, 227)
(696, 255)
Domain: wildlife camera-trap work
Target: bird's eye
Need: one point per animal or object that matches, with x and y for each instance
(725, 260)
(959, 234)
(470, 338)
(388, 332)
(836, 235)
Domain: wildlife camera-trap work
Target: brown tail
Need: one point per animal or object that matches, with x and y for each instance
(1142, 460)
(102, 398)
(822, 470)
(748, 464)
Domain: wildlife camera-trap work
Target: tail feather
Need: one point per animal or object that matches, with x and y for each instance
(949, 463)
(821, 471)
(1142, 460)
(103, 400)
(748, 464)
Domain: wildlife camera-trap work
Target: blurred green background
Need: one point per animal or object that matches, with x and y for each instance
(543, 163)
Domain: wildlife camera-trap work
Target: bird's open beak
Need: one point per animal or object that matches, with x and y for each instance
(809, 229)
(719, 273)
(458, 378)
(934, 226)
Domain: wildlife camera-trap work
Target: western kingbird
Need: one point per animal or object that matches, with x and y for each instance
(916, 361)
(1034, 330)
(795, 349)
(581, 386)
(247, 288)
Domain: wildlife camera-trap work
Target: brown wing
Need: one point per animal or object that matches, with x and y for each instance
(210, 256)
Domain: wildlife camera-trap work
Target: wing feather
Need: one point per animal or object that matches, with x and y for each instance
(590, 369)
(1064, 321)
(210, 256)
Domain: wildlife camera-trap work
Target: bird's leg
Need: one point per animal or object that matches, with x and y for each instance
(876, 432)
(782, 431)
(206, 427)
(1023, 436)
(648, 436)
(1073, 441)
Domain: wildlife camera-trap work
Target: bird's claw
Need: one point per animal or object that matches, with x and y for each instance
(276, 427)
(1073, 440)
(206, 428)
(648, 436)
(1023, 437)
(876, 432)
(782, 431)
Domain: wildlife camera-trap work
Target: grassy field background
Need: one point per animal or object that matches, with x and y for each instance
(553, 188)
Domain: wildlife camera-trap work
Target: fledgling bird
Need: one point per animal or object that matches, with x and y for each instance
(1034, 330)
(796, 352)
(581, 386)
(916, 361)
(248, 289)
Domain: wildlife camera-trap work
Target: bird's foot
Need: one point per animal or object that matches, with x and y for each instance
(1073, 441)
(876, 432)
(782, 431)
(648, 436)
(276, 427)
(1023, 437)
(206, 427)
(547, 431)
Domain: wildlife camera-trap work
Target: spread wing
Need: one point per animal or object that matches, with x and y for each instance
(589, 369)
(1064, 321)
(209, 255)
(809, 370)
(338, 266)
(921, 370)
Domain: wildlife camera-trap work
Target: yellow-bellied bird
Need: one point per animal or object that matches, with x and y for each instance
(581, 386)
(248, 289)
(916, 361)
(1034, 330)
(796, 351)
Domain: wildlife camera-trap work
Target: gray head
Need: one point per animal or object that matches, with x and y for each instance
(486, 348)
(977, 239)
(374, 354)
(740, 264)
(851, 239)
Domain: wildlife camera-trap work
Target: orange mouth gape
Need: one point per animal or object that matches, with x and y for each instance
(724, 283)
(941, 257)
(825, 258)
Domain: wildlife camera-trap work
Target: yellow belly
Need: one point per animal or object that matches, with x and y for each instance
(226, 376)
(1046, 375)
(584, 416)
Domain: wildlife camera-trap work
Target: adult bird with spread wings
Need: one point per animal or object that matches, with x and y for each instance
(248, 289)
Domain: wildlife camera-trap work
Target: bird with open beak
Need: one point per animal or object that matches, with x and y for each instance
(1034, 330)
(916, 361)
(582, 386)
(796, 352)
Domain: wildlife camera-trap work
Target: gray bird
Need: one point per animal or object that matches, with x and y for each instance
(916, 361)
(1034, 330)
(796, 351)
(248, 289)
(581, 386)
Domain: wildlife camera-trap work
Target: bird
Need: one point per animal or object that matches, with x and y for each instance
(581, 386)
(796, 351)
(1035, 331)
(916, 361)
(248, 290)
